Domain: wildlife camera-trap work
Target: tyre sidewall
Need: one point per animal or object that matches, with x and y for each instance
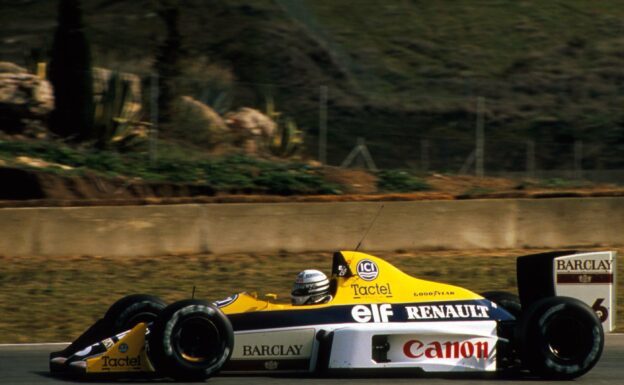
(130, 310)
(161, 341)
(535, 347)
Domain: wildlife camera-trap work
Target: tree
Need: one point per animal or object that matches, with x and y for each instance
(167, 64)
(70, 75)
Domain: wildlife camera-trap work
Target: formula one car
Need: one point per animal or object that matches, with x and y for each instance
(379, 319)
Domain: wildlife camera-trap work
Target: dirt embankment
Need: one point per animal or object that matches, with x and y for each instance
(29, 188)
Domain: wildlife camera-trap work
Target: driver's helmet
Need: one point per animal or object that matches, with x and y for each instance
(311, 287)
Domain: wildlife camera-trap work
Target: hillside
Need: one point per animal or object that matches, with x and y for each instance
(397, 72)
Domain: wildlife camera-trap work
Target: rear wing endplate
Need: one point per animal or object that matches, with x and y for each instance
(587, 276)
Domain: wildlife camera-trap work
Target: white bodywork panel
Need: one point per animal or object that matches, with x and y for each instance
(590, 277)
(274, 344)
(432, 346)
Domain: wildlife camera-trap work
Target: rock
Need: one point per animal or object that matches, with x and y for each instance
(11, 68)
(25, 102)
(251, 121)
(251, 129)
(199, 122)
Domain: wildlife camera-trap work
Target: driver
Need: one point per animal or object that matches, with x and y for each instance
(311, 287)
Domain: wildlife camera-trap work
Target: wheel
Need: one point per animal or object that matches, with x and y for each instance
(122, 315)
(506, 300)
(190, 340)
(560, 338)
(133, 309)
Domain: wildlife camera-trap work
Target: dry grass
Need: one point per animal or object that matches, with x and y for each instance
(54, 299)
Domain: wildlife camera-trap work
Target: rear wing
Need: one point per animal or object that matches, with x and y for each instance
(587, 276)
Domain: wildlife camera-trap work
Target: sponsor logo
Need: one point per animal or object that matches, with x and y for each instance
(129, 362)
(226, 301)
(446, 311)
(583, 265)
(584, 278)
(342, 270)
(433, 293)
(271, 365)
(271, 350)
(264, 345)
(108, 343)
(123, 347)
(377, 289)
(367, 270)
(416, 349)
(374, 312)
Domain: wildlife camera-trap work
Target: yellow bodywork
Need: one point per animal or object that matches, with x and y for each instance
(390, 286)
(126, 355)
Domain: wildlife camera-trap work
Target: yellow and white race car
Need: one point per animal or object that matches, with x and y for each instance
(379, 319)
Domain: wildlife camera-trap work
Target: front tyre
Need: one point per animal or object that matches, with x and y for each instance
(190, 340)
(123, 315)
(130, 310)
(560, 338)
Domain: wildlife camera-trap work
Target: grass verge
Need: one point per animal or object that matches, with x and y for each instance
(55, 299)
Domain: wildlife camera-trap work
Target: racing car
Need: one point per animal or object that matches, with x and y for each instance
(379, 319)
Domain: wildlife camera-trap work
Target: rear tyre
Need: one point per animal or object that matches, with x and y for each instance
(191, 340)
(506, 300)
(560, 338)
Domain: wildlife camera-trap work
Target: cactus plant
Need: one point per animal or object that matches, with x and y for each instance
(113, 115)
(288, 138)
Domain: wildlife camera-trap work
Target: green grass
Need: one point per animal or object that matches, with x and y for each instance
(55, 299)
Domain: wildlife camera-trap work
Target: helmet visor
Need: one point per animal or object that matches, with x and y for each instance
(299, 299)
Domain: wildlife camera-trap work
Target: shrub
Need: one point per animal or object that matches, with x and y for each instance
(400, 181)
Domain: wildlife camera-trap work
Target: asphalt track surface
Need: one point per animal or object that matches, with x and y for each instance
(28, 364)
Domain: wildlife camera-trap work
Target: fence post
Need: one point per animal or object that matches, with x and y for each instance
(323, 125)
(153, 132)
(480, 137)
(360, 149)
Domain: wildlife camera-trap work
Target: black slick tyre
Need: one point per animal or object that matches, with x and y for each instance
(123, 315)
(130, 310)
(506, 300)
(560, 338)
(191, 340)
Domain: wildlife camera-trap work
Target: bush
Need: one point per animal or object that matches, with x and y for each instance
(175, 170)
(253, 175)
(400, 181)
(290, 182)
(233, 174)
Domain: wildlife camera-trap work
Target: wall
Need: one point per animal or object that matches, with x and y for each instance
(224, 228)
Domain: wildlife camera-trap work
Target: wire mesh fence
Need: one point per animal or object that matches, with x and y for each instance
(443, 126)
